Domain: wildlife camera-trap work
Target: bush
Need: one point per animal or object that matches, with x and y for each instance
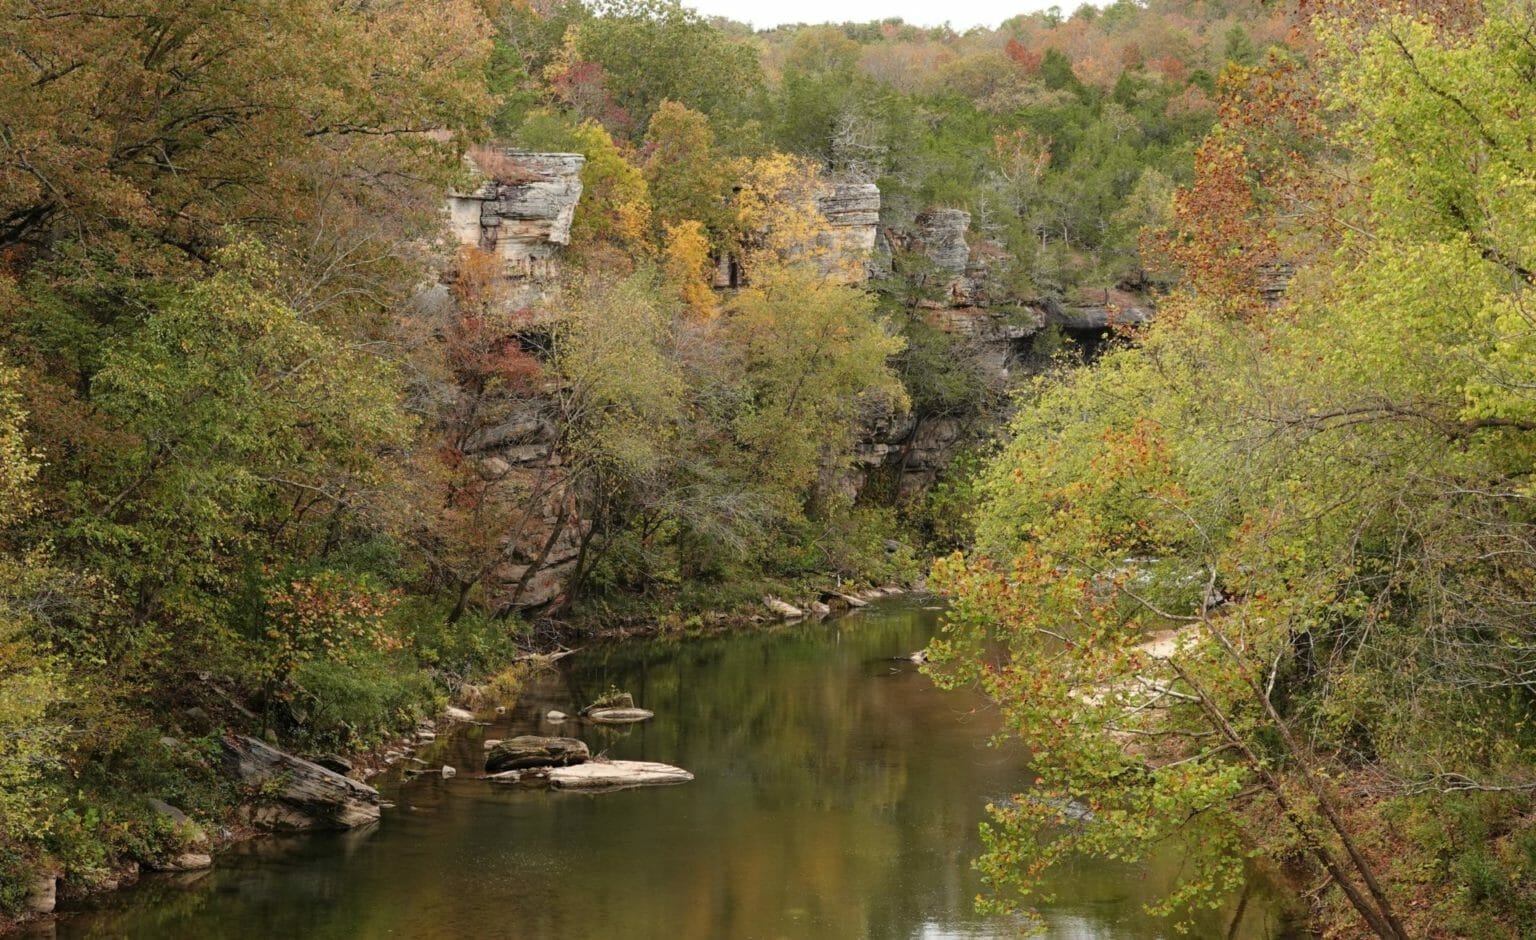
(360, 703)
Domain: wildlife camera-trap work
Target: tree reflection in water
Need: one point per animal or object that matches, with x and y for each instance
(837, 795)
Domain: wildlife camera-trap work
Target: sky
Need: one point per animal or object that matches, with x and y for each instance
(961, 14)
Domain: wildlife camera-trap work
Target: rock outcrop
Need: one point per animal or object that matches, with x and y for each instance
(42, 894)
(1101, 309)
(530, 750)
(539, 552)
(852, 211)
(523, 211)
(939, 235)
(846, 251)
(292, 794)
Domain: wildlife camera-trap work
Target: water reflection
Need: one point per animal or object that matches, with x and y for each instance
(837, 795)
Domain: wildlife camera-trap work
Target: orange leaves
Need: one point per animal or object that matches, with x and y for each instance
(323, 616)
(481, 339)
(1172, 67)
(1023, 154)
(1221, 240)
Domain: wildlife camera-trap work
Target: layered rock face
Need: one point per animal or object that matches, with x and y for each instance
(852, 211)
(540, 552)
(845, 251)
(972, 303)
(294, 793)
(940, 235)
(523, 212)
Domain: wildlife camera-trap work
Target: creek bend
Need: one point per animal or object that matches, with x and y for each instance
(837, 795)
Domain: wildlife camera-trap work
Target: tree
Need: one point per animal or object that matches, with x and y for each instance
(655, 51)
(222, 428)
(687, 266)
(168, 121)
(1253, 581)
(811, 353)
(689, 179)
(32, 737)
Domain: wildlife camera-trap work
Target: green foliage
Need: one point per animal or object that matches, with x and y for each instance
(217, 404)
(658, 50)
(1253, 581)
(810, 351)
(360, 702)
(238, 444)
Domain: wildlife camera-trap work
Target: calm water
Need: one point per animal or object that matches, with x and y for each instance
(837, 796)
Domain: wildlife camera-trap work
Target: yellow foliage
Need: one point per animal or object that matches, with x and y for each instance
(778, 216)
(686, 264)
(689, 178)
(615, 199)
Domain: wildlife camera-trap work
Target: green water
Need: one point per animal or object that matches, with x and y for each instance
(837, 795)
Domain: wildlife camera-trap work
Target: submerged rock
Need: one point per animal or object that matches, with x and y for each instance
(296, 794)
(533, 751)
(595, 775)
(186, 861)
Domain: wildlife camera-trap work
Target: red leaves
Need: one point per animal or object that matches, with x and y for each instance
(1027, 60)
(482, 345)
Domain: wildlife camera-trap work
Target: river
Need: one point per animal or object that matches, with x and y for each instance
(837, 795)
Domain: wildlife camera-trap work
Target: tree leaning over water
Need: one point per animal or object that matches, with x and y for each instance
(1258, 582)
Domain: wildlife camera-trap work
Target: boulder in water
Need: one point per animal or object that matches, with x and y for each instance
(787, 611)
(186, 861)
(533, 751)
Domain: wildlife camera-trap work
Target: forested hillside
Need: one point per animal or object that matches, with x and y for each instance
(1260, 580)
(350, 351)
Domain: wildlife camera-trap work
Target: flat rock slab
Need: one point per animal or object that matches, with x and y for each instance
(619, 716)
(616, 775)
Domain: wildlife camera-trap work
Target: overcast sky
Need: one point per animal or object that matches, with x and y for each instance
(961, 14)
